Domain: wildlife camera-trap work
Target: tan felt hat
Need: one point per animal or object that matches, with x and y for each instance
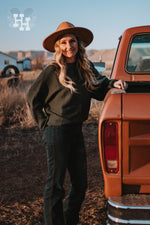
(85, 35)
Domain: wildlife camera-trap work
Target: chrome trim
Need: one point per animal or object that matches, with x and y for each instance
(117, 220)
(127, 207)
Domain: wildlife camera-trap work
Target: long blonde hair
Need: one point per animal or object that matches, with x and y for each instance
(83, 68)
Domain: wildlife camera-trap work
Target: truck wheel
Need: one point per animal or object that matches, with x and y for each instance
(13, 82)
(10, 70)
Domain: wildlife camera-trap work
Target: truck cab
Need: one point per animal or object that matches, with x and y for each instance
(124, 132)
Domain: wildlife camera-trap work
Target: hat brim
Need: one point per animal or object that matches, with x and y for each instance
(85, 35)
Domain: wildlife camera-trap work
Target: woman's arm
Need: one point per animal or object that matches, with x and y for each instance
(35, 99)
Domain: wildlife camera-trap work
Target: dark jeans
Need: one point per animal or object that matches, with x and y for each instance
(65, 150)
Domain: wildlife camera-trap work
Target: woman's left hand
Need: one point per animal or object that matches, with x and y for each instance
(121, 84)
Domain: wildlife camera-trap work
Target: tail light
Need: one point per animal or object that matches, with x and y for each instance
(110, 138)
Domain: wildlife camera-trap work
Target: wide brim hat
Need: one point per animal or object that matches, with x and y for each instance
(84, 34)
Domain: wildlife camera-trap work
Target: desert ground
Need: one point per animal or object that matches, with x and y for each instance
(24, 166)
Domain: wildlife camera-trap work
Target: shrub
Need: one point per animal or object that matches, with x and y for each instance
(13, 108)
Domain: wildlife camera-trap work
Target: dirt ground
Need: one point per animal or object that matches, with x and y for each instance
(23, 173)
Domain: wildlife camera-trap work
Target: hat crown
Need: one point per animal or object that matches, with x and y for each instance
(64, 25)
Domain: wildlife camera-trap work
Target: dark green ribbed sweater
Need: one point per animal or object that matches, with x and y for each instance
(53, 104)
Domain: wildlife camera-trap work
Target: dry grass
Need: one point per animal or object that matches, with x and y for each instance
(13, 108)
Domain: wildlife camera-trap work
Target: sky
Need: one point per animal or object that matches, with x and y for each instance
(107, 19)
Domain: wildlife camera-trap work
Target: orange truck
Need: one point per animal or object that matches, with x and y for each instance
(124, 132)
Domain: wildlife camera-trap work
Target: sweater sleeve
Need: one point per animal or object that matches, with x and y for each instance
(35, 100)
(37, 94)
(103, 85)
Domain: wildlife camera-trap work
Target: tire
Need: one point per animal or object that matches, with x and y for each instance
(13, 71)
(13, 82)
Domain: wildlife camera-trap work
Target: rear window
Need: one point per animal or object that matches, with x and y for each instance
(139, 54)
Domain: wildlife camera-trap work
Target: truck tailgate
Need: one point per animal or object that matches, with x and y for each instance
(136, 142)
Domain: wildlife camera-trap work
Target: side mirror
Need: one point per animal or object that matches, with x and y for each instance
(99, 66)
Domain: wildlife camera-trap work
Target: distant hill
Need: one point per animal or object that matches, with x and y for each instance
(25, 54)
(106, 56)
(94, 55)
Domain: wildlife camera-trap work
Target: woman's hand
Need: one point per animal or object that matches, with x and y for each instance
(121, 84)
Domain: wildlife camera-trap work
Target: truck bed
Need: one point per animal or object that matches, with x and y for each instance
(138, 87)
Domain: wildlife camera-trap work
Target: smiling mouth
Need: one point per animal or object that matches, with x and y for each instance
(70, 50)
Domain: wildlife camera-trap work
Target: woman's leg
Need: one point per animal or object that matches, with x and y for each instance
(57, 156)
(78, 173)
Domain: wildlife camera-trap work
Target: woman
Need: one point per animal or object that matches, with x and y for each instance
(59, 101)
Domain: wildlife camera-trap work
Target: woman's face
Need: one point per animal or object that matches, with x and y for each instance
(69, 47)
